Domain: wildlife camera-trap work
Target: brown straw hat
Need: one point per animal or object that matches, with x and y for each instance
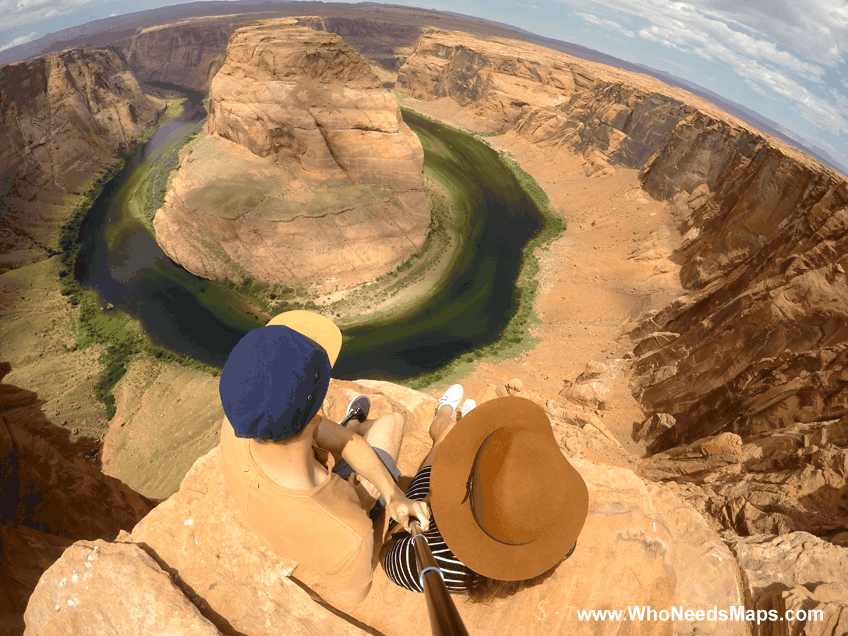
(507, 502)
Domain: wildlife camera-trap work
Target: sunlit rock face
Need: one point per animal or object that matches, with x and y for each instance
(187, 53)
(66, 117)
(759, 341)
(641, 545)
(292, 90)
(306, 170)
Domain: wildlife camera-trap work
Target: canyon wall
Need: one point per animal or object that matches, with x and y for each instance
(51, 494)
(306, 167)
(66, 117)
(385, 43)
(187, 53)
(759, 340)
(206, 572)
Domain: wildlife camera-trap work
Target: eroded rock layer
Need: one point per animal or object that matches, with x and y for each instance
(640, 543)
(291, 90)
(187, 53)
(66, 117)
(759, 340)
(49, 497)
(307, 172)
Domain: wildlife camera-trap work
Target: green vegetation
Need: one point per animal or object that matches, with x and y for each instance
(156, 186)
(149, 195)
(516, 337)
(174, 109)
(70, 241)
(123, 338)
(120, 334)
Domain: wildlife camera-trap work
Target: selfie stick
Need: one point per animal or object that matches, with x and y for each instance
(444, 619)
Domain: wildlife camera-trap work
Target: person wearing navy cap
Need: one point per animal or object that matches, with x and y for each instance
(278, 455)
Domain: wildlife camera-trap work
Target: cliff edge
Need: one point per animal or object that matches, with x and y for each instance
(193, 566)
(640, 543)
(51, 494)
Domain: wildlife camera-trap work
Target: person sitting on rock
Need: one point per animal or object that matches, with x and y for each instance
(507, 505)
(279, 454)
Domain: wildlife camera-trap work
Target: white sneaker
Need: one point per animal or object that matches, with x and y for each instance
(451, 398)
(468, 406)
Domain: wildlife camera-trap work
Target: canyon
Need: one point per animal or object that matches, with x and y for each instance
(724, 356)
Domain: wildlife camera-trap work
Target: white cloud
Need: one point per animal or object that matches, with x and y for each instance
(818, 29)
(606, 24)
(529, 6)
(764, 66)
(21, 13)
(18, 41)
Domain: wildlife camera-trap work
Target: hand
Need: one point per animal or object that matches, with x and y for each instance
(401, 509)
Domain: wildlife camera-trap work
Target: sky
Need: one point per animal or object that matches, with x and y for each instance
(784, 59)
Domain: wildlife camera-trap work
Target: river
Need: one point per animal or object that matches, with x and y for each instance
(203, 320)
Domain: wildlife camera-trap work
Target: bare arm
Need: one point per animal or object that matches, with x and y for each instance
(362, 458)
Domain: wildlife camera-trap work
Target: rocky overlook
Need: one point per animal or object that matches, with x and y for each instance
(739, 362)
(210, 575)
(306, 167)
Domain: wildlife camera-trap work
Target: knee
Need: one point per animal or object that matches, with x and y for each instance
(396, 421)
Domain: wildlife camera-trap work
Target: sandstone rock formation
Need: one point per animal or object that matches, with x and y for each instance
(307, 168)
(187, 53)
(48, 498)
(67, 116)
(641, 546)
(758, 342)
(795, 572)
(782, 481)
(290, 90)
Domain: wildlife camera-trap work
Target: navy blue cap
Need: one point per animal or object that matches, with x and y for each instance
(273, 383)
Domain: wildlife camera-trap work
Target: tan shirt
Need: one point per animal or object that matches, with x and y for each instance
(324, 528)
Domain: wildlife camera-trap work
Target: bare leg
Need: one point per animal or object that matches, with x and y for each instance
(441, 426)
(385, 432)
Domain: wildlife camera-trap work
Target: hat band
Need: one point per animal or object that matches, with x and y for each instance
(469, 495)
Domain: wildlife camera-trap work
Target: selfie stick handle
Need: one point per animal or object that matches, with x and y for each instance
(444, 619)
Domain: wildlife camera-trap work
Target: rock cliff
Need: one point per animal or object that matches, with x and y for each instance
(306, 168)
(643, 545)
(66, 117)
(187, 53)
(640, 543)
(50, 496)
(758, 341)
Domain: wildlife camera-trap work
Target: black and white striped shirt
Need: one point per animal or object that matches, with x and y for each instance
(399, 562)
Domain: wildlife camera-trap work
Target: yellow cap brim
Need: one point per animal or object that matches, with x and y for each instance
(315, 326)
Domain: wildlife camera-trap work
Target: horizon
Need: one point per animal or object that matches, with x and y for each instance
(787, 63)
